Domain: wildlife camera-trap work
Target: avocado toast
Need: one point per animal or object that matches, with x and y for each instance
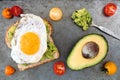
(50, 54)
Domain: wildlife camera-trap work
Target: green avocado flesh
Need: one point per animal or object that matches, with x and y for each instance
(76, 60)
(51, 48)
(82, 18)
(11, 33)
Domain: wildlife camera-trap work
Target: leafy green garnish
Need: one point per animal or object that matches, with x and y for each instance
(82, 18)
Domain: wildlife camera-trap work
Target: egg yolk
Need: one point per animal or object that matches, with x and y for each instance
(30, 43)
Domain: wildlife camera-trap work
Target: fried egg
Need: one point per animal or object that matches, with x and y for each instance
(30, 40)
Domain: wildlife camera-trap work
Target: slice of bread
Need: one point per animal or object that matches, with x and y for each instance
(49, 33)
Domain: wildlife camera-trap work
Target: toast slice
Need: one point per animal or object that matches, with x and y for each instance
(52, 52)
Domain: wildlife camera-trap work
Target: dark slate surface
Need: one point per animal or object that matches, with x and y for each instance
(65, 35)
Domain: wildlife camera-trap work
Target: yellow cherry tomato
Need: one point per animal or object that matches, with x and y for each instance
(6, 13)
(9, 70)
(55, 14)
(111, 68)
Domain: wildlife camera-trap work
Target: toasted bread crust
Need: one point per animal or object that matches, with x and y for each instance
(56, 54)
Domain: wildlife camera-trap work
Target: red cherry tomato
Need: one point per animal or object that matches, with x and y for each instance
(110, 9)
(59, 68)
(16, 10)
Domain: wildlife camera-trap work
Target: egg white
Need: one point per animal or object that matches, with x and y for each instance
(29, 23)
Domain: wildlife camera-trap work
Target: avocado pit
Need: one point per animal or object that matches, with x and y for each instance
(90, 50)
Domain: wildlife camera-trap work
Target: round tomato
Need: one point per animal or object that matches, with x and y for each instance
(9, 70)
(59, 68)
(110, 68)
(110, 9)
(16, 10)
(56, 14)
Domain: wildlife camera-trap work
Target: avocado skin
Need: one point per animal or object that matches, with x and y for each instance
(74, 69)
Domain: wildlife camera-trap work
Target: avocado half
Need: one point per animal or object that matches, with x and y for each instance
(76, 59)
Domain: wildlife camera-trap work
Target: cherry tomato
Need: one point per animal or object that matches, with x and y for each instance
(9, 70)
(110, 9)
(6, 13)
(59, 68)
(16, 10)
(110, 68)
(56, 14)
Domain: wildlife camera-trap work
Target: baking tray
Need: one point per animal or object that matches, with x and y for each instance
(65, 35)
